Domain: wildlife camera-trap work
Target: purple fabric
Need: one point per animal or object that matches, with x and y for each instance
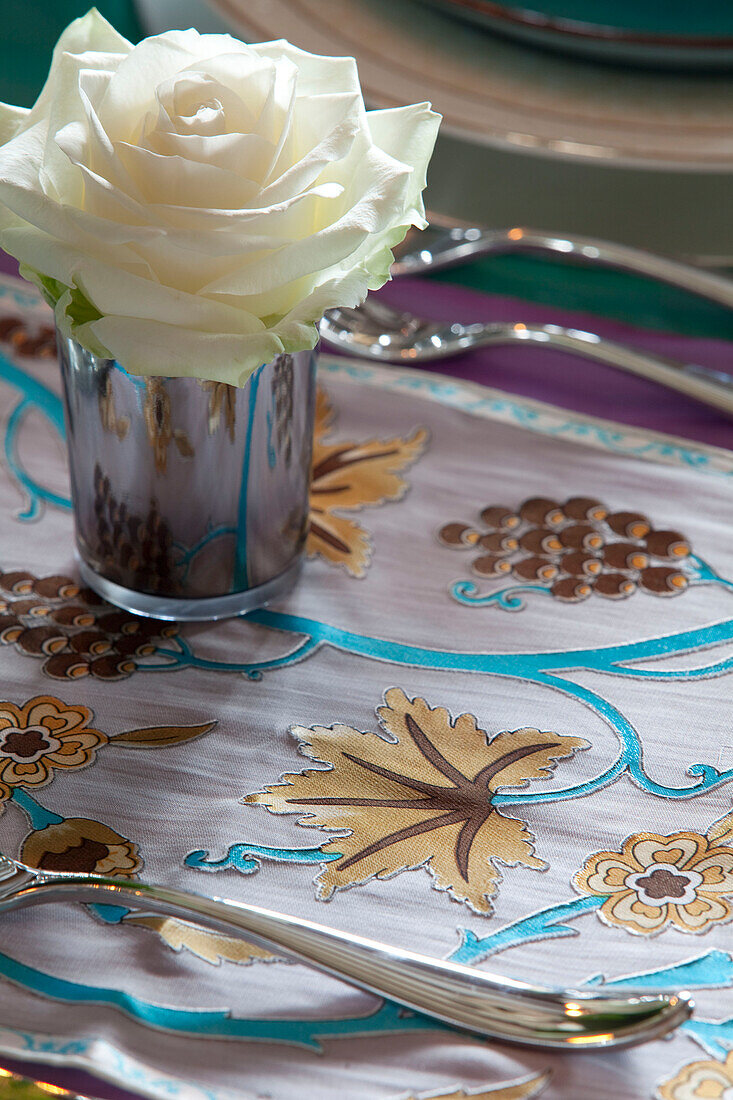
(567, 380)
(8, 265)
(76, 1081)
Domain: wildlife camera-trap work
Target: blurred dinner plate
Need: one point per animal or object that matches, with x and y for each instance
(529, 136)
(644, 32)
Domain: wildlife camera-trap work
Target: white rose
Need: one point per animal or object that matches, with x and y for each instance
(192, 205)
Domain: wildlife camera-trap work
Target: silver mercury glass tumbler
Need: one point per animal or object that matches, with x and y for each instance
(190, 498)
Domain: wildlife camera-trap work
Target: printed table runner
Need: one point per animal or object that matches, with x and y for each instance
(492, 724)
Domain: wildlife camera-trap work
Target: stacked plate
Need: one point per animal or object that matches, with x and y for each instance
(676, 33)
(531, 136)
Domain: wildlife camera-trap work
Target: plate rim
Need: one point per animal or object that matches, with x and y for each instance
(527, 16)
(603, 155)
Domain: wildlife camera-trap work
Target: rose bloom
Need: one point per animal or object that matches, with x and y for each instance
(192, 205)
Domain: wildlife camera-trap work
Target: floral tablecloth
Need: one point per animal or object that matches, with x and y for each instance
(492, 724)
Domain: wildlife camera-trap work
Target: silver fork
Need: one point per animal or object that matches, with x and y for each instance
(377, 331)
(467, 998)
(441, 246)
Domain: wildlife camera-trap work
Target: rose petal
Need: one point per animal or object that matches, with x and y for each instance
(339, 119)
(180, 182)
(21, 195)
(131, 92)
(249, 82)
(152, 347)
(245, 154)
(67, 106)
(59, 260)
(374, 187)
(317, 73)
(99, 152)
(112, 290)
(408, 134)
(12, 121)
(90, 33)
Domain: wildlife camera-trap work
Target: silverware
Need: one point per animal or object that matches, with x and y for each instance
(377, 331)
(439, 247)
(470, 999)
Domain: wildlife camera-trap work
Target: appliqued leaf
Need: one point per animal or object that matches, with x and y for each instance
(721, 831)
(341, 541)
(158, 737)
(349, 476)
(514, 1090)
(422, 795)
(212, 947)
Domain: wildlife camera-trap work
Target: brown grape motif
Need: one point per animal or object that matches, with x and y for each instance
(132, 550)
(571, 550)
(72, 630)
(40, 343)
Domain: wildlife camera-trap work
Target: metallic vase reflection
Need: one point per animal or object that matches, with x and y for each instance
(190, 498)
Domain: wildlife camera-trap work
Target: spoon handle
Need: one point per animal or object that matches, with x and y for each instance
(459, 995)
(703, 385)
(452, 247)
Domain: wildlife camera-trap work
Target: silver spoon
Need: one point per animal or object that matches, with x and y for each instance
(439, 247)
(471, 999)
(377, 331)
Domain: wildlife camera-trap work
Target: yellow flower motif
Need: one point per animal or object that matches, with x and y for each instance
(420, 797)
(346, 477)
(83, 846)
(42, 736)
(656, 881)
(706, 1080)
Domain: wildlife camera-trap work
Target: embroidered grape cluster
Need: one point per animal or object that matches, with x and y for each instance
(15, 331)
(72, 630)
(131, 550)
(574, 549)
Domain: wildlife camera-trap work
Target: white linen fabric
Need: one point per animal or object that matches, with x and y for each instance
(172, 1013)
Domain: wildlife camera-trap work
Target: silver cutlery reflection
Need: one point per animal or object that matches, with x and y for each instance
(377, 331)
(467, 998)
(439, 247)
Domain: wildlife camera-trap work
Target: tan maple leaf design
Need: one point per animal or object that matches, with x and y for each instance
(525, 1089)
(418, 796)
(347, 477)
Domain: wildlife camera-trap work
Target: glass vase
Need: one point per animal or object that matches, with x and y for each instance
(190, 498)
